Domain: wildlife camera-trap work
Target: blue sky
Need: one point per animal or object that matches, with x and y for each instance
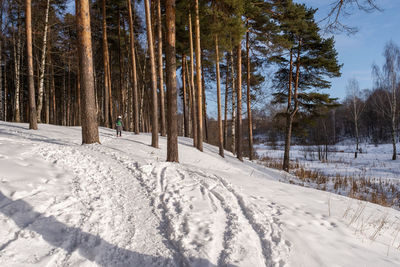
(358, 52)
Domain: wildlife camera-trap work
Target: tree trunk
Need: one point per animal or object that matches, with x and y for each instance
(357, 140)
(291, 112)
(90, 133)
(233, 144)
(193, 90)
(154, 111)
(249, 118)
(288, 132)
(226, 103)
(394, 157)
(17, 66)
(105, 64)
(220, 137)
(47, 98)
(239, 103)
(134, 76)
(203, 84)
(172, 141)
(185, 115)
(31, 83)
(43, 64)
(160, 69)
(53, 112)
(5, 90)
(198, 80)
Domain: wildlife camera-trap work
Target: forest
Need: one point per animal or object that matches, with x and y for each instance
(262, 66)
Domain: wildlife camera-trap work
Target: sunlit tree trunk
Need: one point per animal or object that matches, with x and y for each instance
(154, 112)
(185, 115)
(249, 118)
(90, 133)
(226, 103)
(105, 64)
(233, 82)
(160, 69)
(220, 136)
(17, 67)
(239, 103)
(31, 83)
(192, 87)
(172, 141)
(198, 79)
(134, 75)
(43, 64)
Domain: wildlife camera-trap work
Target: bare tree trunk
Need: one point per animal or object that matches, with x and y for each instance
(204, 104)
(105, 64)
(121, 89)
(134, 76)
(194, 110)
(32, 103)
(233, 144)
(291, 112)
(90, 133)
(394, 109)
(17, 68)
(160, 69)
(172, 141)
(53, 112)
(43, 64)
(198, 79)
(5, 90)
(47, 99)
(154, 112)
(239, 103)
(185, 116)
(249, 118)
(220, 136)
(226, 103)
(285, 165)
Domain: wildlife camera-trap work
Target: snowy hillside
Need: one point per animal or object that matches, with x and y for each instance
(121, 204)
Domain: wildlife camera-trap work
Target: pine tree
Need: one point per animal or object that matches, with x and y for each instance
(311, 59)
(32, 103)
(90, 133)
(172, 142)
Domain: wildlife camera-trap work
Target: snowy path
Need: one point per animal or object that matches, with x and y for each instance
(130, 210)
(121, 204)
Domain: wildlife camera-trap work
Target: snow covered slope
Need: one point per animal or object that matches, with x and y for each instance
(121, 204)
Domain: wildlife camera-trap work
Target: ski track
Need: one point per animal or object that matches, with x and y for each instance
(174, 194)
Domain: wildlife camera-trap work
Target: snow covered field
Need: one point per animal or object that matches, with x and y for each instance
(121, 204)
(373, 162)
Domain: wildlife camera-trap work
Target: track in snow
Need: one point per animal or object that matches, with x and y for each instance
(155, 213)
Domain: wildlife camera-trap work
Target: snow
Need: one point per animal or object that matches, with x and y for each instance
(121, 204)
(373, 162)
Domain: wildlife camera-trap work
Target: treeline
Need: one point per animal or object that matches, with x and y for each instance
(365, 115)
(86, 64)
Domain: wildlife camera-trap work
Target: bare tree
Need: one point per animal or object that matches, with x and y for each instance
(160, 69)
(192, 87)
(154, 113)
(198, 79)
(43, 64)
(172, 141)
(90, 131)
(32, 103)
(344, 8)
(134, 74)
(388, 80)
(356, 107)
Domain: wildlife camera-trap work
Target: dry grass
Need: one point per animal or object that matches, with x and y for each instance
(376, 190)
